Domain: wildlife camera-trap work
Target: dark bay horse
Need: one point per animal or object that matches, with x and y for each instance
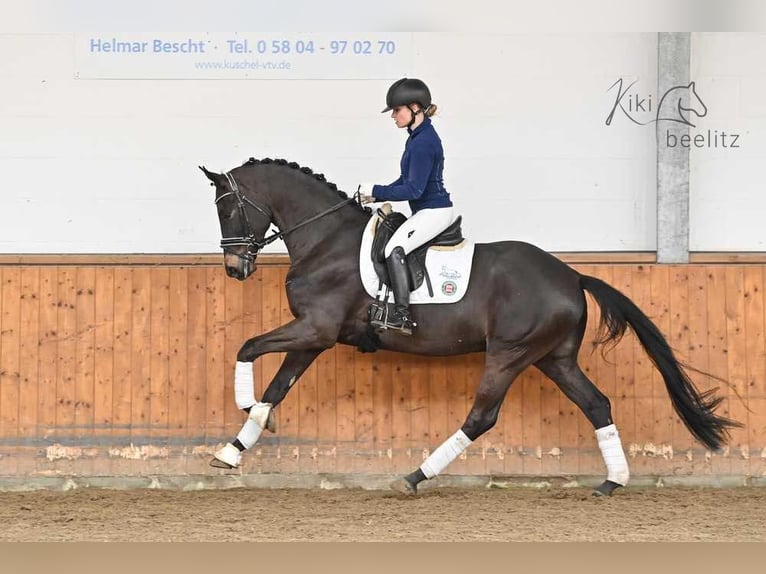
(523, 307)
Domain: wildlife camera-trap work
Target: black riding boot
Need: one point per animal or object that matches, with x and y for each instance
(400, 285)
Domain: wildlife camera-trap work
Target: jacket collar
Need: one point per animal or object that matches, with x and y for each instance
(419, 129)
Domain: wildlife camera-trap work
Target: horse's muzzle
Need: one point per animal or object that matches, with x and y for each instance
(239, 267)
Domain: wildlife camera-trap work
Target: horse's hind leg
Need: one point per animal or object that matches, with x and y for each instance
(566, 373)
(500, 370)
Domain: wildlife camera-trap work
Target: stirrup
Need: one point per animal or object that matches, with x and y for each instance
(405, 324)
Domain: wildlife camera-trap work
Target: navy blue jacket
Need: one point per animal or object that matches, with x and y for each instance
(422, 166)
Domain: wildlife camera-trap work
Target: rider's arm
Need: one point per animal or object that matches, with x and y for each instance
(412, 184)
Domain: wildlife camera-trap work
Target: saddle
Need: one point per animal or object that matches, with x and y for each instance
(416, 261)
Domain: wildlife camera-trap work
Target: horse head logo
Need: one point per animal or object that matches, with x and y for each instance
(679, 102)
(676, 105)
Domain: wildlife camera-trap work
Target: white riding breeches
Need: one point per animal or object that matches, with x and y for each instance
(419, 228)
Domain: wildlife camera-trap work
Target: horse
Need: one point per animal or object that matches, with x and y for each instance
(522, 307)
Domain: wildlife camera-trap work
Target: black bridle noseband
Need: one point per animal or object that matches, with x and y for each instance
(248, 238)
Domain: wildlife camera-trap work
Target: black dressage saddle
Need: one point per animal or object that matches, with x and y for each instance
(416, 261)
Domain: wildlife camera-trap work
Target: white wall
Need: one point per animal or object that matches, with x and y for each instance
(109, 166)
(727, 201)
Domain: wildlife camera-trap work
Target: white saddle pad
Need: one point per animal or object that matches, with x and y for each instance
(448, 267)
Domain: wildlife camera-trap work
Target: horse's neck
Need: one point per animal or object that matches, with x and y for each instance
(329, 232)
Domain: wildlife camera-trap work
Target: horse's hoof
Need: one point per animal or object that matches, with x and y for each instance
(606, 488)
(227, 457)
(404, 486)
(271, 422)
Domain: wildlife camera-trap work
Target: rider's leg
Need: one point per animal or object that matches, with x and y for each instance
(400, 285)
(421, 227)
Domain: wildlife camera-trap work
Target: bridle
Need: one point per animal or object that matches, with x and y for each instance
(248, 238)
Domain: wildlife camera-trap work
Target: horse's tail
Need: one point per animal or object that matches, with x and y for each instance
(697, 410)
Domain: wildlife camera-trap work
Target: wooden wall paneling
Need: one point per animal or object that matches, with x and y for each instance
(122, 395)
(401, 424)
(363, 404)
(419, 411)
(48, 351)
(327, 418)
(345, 407)
(718, 355)
(736, 335)
(140, 368)
(196, 369)
(10, 324)
(159, 369)
(233, 328)
(104, 355)
(85, 361)
(215, 349)
(178, 353)
(438, 429)
(756, 367)
(646, 441)
(532, 424)
(308, 419)
(698, 356)
(382, 407)
(550, 420)
(29, 337)
(67, 343)
(662, 408)
(678, 338)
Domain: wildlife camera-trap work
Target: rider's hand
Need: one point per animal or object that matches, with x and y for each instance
(365, 193)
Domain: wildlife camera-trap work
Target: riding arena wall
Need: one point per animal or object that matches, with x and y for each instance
(124, 368)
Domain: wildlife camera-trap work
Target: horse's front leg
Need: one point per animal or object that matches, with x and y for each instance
(302, 344)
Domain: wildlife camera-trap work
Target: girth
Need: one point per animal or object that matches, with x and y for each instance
(389, 222)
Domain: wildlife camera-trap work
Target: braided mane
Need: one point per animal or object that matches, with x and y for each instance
(306, 170)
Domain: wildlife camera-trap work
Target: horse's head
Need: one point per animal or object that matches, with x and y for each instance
(244, 223)
(691, 102)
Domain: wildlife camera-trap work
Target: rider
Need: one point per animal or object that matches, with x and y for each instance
(420, 183)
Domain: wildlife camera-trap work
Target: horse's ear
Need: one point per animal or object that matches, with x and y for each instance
(214, 177)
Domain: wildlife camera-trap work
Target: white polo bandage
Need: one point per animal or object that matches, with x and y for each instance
(250, 433)
(448, 451)
(614, 455)
(254, 425)
(244, 386)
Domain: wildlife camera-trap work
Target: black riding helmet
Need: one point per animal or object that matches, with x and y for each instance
(406, 91)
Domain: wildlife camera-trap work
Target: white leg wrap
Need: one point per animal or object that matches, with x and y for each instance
(244, 386)
(254, 425)
(614, 456)
(260, 413)
(250, 433)
(448, 451)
